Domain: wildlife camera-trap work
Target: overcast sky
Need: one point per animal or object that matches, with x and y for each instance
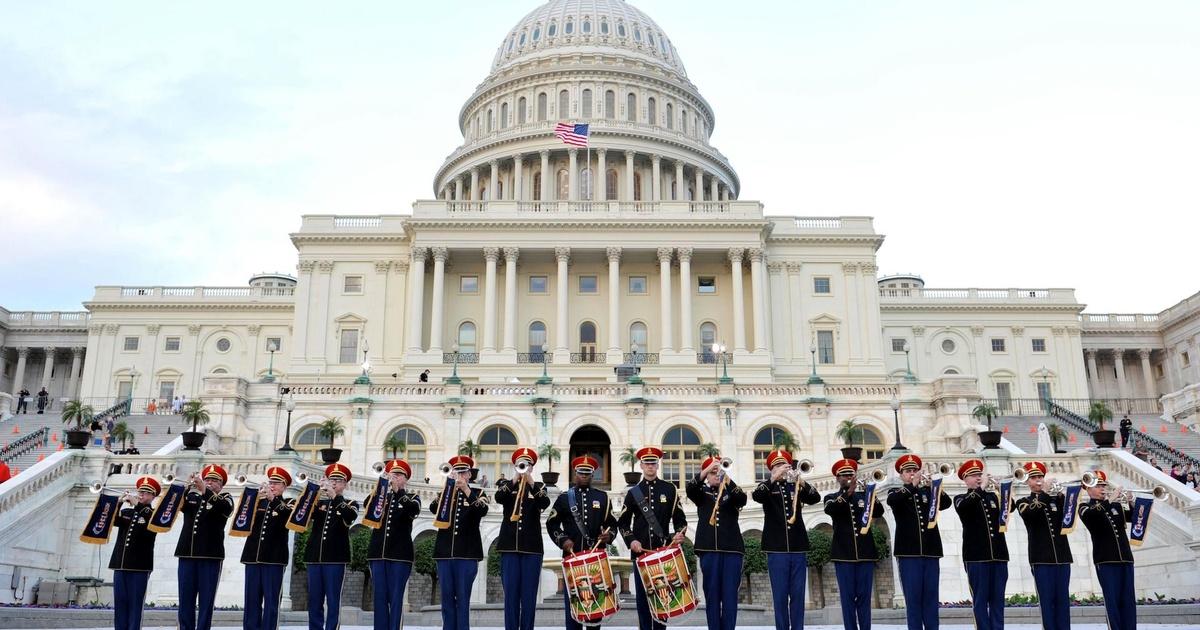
(1002, 144)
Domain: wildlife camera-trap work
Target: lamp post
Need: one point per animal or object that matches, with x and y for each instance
(1045, 397)
(729, 418)
(133, 376)
(814, 379)
(719, 348)
(454, 380)
(896, 420)
(290, 405)
(545, 379)
(271, 349)
(908, 374)
(365, 377)
(635, 378)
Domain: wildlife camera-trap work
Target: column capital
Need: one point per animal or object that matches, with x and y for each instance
(1058, 331)
(664, 254)
(977, 331)
(22, 352)
(111, 329)
(629, 155)
(325, 266)
(573, 152)
(1118, 354)
(494, 163)
(684, 254)
(601, 151)
(440, 254)
(794, 267)
(655, 158)
(511, 254)
(544, 154)
(1089, 353)
(849, 267)
(382, 266)
(491, 254)
(194, 330)
(1018, 331)
(77, 350)
(562, 254)
(613, 254)
(306, 265)
(254, 329)
(400, 266)
(756, 254)
(419, 253)
(154, 329)
(868, 269)
(1144, 353)
(736, 254)
(775, 266)
(518, 158)
(918, 331)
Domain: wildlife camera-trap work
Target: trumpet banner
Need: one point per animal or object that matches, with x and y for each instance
(167, 510)
(243, 516)
(100, 522)
(1141, 520)
(376, 504)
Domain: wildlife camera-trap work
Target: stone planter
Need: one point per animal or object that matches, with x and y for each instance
(78, 438)
(1105, 438)
(632, 477)
(990, 439)
(550, 478)
(852, 452)
(330, 455)
(192, 440)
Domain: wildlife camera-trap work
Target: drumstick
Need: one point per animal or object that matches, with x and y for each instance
(682, 531)
(602, 533)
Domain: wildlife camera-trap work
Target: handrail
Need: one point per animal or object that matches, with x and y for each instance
(1156, 446)
(23, 444)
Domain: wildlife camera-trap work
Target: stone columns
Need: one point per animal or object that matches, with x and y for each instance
(494, 186)
(739, 303)
(416, 299)
(601, 176)
(510, 298)
(656, 178)
(1093, 374)
(614, 304)
(724, 193)
(561, 349)
(573, 175)
(629, 195)
(76, 361)
(458, 188)
(664, 290)
(699, 184)
(713, 186)
(19, 377)
(490, 255)
(48, 367)
(685, 299)
(1119, 360)
(440, 254)
(757, 298)
(518, 192)
(1147, 375)
(680, 185)
(546, 176)
(474, 184)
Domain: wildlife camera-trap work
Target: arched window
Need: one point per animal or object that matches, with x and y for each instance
(764, 442)
(564, 185)
(586, 104)
(610, 104)
(631, 107)
(569, 27)
(537, 339)
(637, 34)
(498, 444)
(308, 443)
(490, 120)
(620, 29)
(708, 336)
(511, 41)
(537, 33)
(466, 338)
(553, 30)
(651, 111)
(610, 184)
(564, 105)
(541, 107)
(872, 443)
(587, 26)
(639, 336)
(521, 111)
(681, 458)
(683, 119)
(587, 342)
(637, 186)
(650, 38)
(503, 115)
(521, 42)
(603, 26)
(537, 186)
(670, 116)
(414, 450)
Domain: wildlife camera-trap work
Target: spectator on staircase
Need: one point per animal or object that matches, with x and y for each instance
(152, 408)
(5, 473)
(1177, 474)
(23, 401)
(176, 406)
(43, 400)
(1126, 429)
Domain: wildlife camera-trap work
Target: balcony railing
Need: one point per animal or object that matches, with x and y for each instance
(1109, 321)
(509, 209)
(534, 357)
(640, 358)
(45, 319)
(173, 294)
(709, 358)
(1037, 407)
(891, 294)
(588, 357)
(463, 357)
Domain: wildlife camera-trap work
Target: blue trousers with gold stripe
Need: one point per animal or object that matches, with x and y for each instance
(722, 577)
(520, 573)
(389, 578)
(788, 571)
(1116, 582)
(987, 581)
(325, 585)
(198, 578)
(264, 583)
(919, 582)
(855, 582)
(129, 594)
(1053, 582)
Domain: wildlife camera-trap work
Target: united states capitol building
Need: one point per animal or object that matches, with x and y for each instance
(662, 307)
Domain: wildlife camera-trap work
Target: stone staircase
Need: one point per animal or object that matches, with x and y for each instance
(150, 434)
(1166, 442)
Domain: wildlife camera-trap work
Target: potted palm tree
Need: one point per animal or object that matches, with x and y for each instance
(121, 431)
(549, 452)
(331, 429)
(1098, 413)
(195, 414)
(629, 456)
(394, 445)
(79, 415)
(472, 450)
(989, 438)
(847, 431)
(1057, 435)
(785, 441)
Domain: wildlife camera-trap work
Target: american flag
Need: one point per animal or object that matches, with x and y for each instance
(576, 135)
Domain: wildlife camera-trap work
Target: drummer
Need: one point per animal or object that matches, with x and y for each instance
(650, 506)
(580, 519)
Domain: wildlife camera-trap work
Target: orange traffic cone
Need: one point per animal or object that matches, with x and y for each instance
(1072, 439)
(1142, 429)
(146, 430)
(1032, 429)
(41, 457)
(54, 436)
(16, 429)
(1006, 428)
(16, 471)
(60, 446)
(1162, 429)
(1183, 428)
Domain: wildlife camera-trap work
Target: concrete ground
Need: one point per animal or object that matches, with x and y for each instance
(1089, 626)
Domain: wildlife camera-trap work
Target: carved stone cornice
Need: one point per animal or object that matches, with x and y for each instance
(325, 266)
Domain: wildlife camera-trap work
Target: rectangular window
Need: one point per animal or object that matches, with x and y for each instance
(1004, 396)
(1039, 345)
(166, 391)
(131, 344)
(706, 284)
(171, 344)
(539, 284)
(1043, 390)
(588, 284)
(898, 345)
(821, 285)
(348, 352)
(825, 346)
(637, 285)
(468, 284)
(1187, 358)
(274, 342)
(352, 284)
(997, 345)
(1158, 371)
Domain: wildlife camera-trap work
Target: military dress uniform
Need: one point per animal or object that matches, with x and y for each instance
(583, 525)
(133, 559)
(201, 550)
(266, 557)
(458, 550)
(853, 553)
(390, 551)
(719, 545)
(918, 546)
(1049, 552)
(660, 498)
(985, 550)
(785, 541)
(520, 543)
(328, 552)
(1105, 521)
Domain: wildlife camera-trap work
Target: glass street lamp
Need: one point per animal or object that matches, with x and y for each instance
(290, 405)
(896, 420)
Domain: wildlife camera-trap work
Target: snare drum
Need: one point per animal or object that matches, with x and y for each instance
(670, 592)
(591, 589)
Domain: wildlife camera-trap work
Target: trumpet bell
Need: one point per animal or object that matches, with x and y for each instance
(726, 463)
(945, 469)
(1020, 475)
(302, 477)
(805, 466)
(1088, 480)
(170, 477)
(878, 475)
(239, 480)
(377, 467)
(522, 467)
(1159, 492)
(96, 487)
(446, 470)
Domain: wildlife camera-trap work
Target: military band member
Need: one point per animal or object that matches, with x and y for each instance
(459, 548)
(328, 549)
(520, 541)
(984, 549)
(580, 519)
(1105, 521)
(918, 548)
(853, 553)
(784, 538)
(390, 551)
(650, 507)
(266, 552)
(719, 544)
(1049, 552)
(133, 555)
(201, 547)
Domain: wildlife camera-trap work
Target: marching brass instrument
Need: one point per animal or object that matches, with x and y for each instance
(877, 476)
(794, 475)
(377, 467)
(926, 479)
(1125, 495)
(1018, 475)
(725, 466)
(101, 487)
(447, 470)
(169, 477)
(1087, 480)
(523, 467)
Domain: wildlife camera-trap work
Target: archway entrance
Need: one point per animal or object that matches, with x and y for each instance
(592, 440)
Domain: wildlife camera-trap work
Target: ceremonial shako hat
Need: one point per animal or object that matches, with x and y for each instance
(400, 466)
(908, 462)
(844, 467)
(461, 463)
(338, 471)
(524, 453)
(149, 484)
(649, 454)
(280, 474)
(970, 467)
(709, 461)
(1035, 469)
(1101, 477)
(778, 456)
(584, 464)
(213, 471)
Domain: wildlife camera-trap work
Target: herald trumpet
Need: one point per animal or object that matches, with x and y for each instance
(301, 478)
(446, 470)
(96, 487)
(377, 467)
(169, 477)
(522, 467)
(1125, 495)
(943, 469)
(726, 464)
(240, 480)
(799, 468)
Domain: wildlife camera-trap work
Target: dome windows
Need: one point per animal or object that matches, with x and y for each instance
(511, 41)
(586, 106)
(537, 33)
(604, 27)
(637, 34)
(587, 26)
(620, 29)
(650, 38)
(553, 30)
(521, 42)
(569, 27)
